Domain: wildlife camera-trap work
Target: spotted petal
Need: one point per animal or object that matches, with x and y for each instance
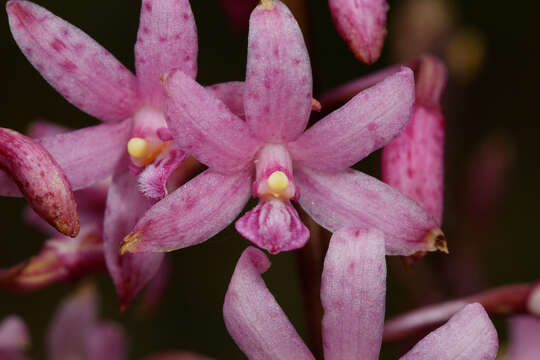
(86, 74)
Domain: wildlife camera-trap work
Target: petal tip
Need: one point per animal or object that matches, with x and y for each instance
(267, 4)
(437, 241)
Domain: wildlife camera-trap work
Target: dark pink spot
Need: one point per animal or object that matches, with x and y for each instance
(187, 58)
(162, 38)
(146, 30)
(148, 6)
(371, 126)
(185, 16)
(68, 66)
(58, 45)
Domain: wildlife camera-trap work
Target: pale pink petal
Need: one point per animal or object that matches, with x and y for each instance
(232, 94)
(125, 206)
(273, 225)
(468, 335)
(107, 341)
(202, 125)
(278, 93)
(366, 123)
(253, 317)
(413, 162)
(72, 324)
(524, 334)
(192, 214)
(40, 179)
(166, 40)
(176, 355)
(353, 292)
(362, 24)
(14, 333)
(153, 180)
(86, 74)
(351, 198)
(41, 128)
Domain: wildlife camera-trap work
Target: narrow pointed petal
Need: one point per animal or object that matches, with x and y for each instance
(366, 123)
(362, 24)
(41, 128)
(125, 206)
(273, 225)
(202, 125)
(351, 198)
(192, 214)
(72, 324)
(153, 180)
(86, 74)
(40, 179)
(523, 343)
(353, 293)
(468, 335)
(166, 40)
(107, 341)
(253, 317)
(14, 333)
(231, 94)
(278, 95)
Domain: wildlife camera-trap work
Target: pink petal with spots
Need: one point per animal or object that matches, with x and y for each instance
(153, 180)
(413, 162)
(14, 333)
(353, 293)
(524, 333)
(351, 198)
(366, 123)
(86, 74)
(273, 225)
(192, 214)
(362, 24)
(40, 179)
(125, 206)
(278, 95)
(203, 125)
(253, 317)
(468, 335)
(166, 40)
(107, 341)
(231, 94)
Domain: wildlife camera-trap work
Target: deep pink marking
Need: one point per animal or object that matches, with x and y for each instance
(148, 6)
(58, 45)
(68, 66)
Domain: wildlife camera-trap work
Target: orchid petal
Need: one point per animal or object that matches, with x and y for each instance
(107, 341)
(353, 293)
(86, 75)
(40, 179)
(153, 180)
(125, 206)
(413, 163)
(14, 333)
(523, 342)
(254, 319)
(351, 198)
(278, 95)
(202, 125)
(192, 214)
(166, 40)
(468, 335)
(231, 94)
(273, 225)
(40, 129)
(362, 24)
(73, 322)
(366, 123)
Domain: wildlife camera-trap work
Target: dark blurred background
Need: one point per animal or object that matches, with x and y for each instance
(491, 102)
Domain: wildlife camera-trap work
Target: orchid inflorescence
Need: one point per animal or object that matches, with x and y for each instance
(176, 162)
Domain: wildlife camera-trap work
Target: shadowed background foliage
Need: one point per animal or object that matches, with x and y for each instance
(500, 99)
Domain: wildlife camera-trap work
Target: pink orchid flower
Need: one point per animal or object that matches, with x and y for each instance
(270, 155)
(353, 298)
(91, 78)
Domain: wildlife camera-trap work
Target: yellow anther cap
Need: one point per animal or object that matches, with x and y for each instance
(137, 148)
(277, 182)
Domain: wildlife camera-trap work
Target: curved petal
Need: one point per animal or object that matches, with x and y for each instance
(86, 74)
(153, 180)
(203, 126)
(40, 179)
(468, 335)
(253, 317)
(107, 341)
(351, 198)
(125, 206)
(231, 94)
(523, 342)
(362, 24)
(353, 292)
(366, 123)
(192, 214)
(166, 40)
(14, 333)
(278, 94)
